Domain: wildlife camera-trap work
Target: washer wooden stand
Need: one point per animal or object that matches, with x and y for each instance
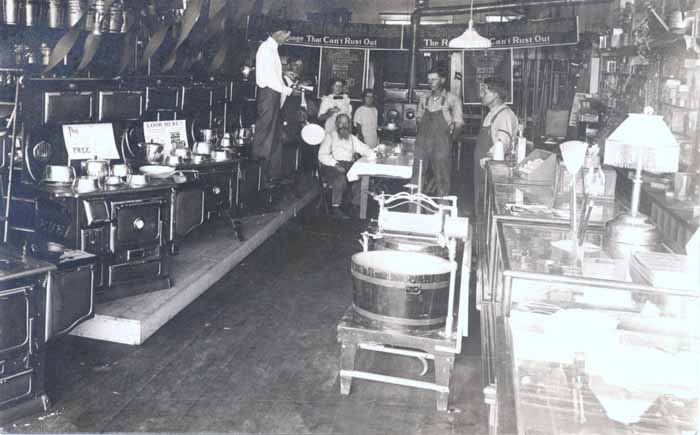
(359, 332)
(355, 332)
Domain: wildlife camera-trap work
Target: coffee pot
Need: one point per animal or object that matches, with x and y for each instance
(154, 151)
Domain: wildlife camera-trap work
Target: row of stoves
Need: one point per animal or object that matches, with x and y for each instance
(132, 230)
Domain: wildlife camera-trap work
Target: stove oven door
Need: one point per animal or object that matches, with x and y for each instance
(218, 188)
(187, 209)
(17, 323)
(69, 299)
(136, 224)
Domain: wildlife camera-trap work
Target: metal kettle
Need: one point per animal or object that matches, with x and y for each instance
(203, 148)
(154, 151)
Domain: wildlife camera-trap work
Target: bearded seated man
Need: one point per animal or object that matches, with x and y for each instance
(335, 156)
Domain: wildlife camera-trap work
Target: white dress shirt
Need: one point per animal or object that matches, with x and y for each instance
(268, 69)
(328, 102)
(334, 149)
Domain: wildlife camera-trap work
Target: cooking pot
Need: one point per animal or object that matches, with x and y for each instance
(198, 159)
(96, 168)
(48, 251)
(112, 180)
(137, 180)
(203, 148)
(120, 170)
(220, 155)
(401, 290)
(185, 153)
(59, 174)
(154, 151)
(86, 184)
(226, 141)
(172, 160)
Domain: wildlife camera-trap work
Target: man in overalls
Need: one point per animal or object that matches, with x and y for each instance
(500, 124)
(440, 122)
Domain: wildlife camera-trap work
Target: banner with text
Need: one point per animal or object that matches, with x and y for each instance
(351, 35)
(512, 34)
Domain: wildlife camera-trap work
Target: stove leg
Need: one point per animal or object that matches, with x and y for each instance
(236, 224)
(444, 364)
(347, 362)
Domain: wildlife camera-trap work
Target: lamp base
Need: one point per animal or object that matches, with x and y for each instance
(627, 234)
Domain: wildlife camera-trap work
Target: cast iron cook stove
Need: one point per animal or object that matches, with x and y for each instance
(404, 300)
(124, 226)
(22, 348)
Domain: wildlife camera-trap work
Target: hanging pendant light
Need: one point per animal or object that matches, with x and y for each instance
(470, 39)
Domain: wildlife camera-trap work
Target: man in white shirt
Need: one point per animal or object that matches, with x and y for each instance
(270, 97)
(335, 157)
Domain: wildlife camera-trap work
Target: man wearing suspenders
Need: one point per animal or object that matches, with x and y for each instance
(500, 124)
(440, 121)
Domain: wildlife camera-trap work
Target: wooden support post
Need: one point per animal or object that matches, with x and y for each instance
(347, 362)
(444, 365)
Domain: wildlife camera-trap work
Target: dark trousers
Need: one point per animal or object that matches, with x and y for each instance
(337, 179)
(266, 141)
(434, 148)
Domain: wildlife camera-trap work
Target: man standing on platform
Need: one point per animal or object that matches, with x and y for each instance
(500, 125)
(440, 122)
(270, 97)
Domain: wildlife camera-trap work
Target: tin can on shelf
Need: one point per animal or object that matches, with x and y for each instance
(9, 12)
(56, 14)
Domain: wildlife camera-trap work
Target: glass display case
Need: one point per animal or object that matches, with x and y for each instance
(510, 199)
(581, 346)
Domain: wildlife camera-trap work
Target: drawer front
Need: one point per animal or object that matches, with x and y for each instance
(129, 272)
(16, 386)
(71, 295)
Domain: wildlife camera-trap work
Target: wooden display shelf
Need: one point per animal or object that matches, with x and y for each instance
(205, 257)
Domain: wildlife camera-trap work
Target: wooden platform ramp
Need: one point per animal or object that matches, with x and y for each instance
(206, 255)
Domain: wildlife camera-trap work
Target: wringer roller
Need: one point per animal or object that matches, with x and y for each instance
(404, 289)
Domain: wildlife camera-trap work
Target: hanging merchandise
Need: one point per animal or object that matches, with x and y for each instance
(192, 13)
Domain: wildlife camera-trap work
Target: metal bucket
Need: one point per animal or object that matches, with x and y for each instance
(405, 291)
(410, 245)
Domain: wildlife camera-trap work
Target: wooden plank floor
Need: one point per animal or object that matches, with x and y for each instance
(206, 255)
(257, 353)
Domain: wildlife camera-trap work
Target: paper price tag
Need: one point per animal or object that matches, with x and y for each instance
(86, 141)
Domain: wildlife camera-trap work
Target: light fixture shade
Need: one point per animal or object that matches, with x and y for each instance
(470, 39)
(647, 134)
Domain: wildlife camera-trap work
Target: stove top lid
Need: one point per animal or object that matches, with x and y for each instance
(14, 265)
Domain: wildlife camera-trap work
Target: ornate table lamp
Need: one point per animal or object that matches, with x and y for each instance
(643, 142)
